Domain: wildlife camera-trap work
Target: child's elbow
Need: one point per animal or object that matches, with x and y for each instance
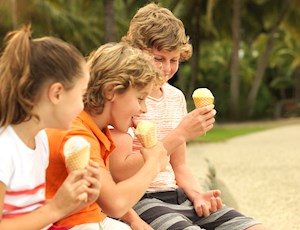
(118, 208)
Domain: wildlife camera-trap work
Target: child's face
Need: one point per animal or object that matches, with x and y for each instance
(166, 61)
(71, 102)
(124, 107)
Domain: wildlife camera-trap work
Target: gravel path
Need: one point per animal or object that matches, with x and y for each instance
(261, 172)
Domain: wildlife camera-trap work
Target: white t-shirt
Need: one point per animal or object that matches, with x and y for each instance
(166, 112)
(22, 170)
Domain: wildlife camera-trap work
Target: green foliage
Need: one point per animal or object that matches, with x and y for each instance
(223, 134)
(81, 22)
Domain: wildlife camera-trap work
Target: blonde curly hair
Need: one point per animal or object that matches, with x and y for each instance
(157, 27)
(117, 67)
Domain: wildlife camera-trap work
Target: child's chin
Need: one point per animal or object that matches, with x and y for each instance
(124, 129)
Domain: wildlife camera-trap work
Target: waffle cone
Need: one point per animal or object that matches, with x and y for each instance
(146, 133)
(203, 101)
(79, 159)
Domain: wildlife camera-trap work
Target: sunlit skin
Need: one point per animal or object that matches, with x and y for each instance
(71, 102)
(135, 105)
(168, 63)
(62, 106)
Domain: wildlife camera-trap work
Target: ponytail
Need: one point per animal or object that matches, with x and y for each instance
(26, 66)
(14, 69)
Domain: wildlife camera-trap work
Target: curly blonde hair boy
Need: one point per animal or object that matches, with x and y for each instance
(116, 67)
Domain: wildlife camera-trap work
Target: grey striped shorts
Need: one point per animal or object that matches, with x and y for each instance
(172, 210)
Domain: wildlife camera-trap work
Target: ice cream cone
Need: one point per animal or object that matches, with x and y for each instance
(77, 156)
(201, 102)
(78, 159)
(146, 133)
(202, 97)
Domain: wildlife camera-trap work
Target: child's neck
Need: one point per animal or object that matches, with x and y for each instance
(101, 120)
(156, 93)
(26, 132)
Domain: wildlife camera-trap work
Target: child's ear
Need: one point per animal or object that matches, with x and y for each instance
(55, 92)
(109, 93)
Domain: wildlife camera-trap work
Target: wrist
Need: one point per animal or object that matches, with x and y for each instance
(173, 140)
(153, 164)
(126, 218)
(194, 195)
(53, 210)
(180, 134)
(130, 217)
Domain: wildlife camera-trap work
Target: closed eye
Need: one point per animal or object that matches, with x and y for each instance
(158, 59)
(141, 99)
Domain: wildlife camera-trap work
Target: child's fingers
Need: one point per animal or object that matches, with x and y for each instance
(83, 197)
(199, 210)
(94, 164)
(205, 210)
(93, 182)
(80, 190)
(93, 192)
(219, 202)
(75, 175)
(216, 193)
(213, 204)
(205, 109)
(93, 170)
(93, 167)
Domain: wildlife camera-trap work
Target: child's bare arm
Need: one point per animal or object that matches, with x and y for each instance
(63, 203)
(135, 222)
(123, 162)
(116, 198)
(195, 123)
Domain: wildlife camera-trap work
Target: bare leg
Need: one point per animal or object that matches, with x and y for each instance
(258, 227)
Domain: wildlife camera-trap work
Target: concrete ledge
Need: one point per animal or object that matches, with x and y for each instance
(206, 174)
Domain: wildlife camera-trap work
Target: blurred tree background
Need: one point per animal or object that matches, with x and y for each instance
(246, 51)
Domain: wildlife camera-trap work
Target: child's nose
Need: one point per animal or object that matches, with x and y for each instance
(143, 107)
(167, 68)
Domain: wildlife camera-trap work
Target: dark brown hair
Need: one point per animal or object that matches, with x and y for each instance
(29, 65)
